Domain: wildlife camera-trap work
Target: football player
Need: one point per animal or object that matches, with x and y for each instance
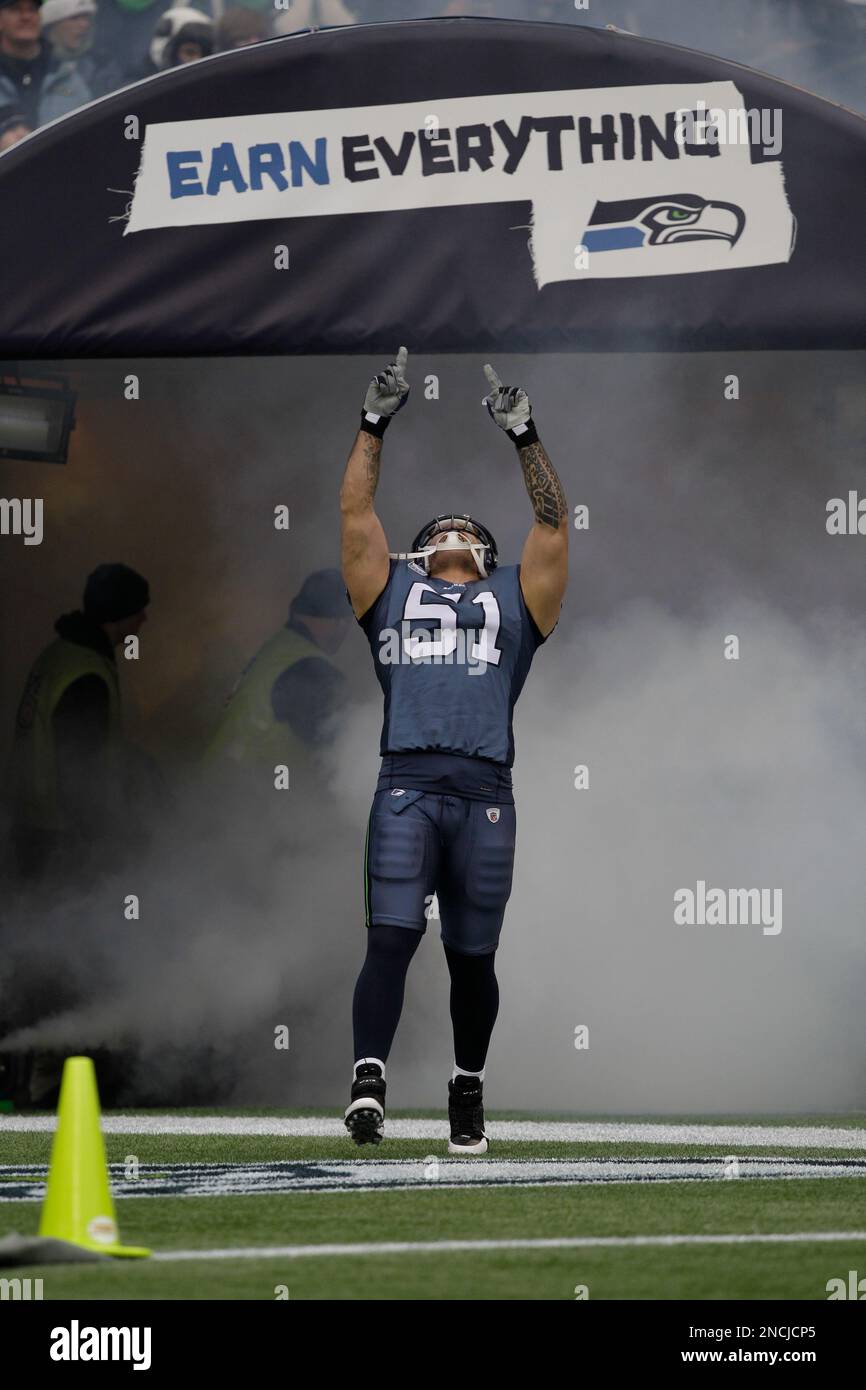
(453, 635)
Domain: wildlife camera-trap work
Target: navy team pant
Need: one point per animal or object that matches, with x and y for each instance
(421, 843)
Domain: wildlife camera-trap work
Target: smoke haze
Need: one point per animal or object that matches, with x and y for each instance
(706, 520)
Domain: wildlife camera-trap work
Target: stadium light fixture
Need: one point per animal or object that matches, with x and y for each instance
(37, 416)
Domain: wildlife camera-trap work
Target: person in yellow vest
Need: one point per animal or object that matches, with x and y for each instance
(67, 779)
(65, 774)
(284, 703)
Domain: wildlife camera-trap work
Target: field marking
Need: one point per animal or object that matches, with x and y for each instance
(431, 1247)
(26, 1182)
(527, 1131)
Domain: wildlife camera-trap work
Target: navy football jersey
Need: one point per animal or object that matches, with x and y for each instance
(451, 660)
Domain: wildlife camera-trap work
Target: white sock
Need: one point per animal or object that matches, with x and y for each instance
(458, 1071)
(365, 1061)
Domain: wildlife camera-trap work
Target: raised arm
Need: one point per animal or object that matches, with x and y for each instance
(544, 563)
(364, 548)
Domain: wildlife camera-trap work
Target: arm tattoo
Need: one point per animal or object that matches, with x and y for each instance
(372, 460)
(542, 484)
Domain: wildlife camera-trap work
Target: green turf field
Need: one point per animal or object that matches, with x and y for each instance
(423, 1207)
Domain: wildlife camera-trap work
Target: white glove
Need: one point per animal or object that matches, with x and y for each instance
(509, 406)
(387, 393)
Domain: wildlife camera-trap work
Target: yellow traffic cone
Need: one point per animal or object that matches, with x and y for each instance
(78, 1206)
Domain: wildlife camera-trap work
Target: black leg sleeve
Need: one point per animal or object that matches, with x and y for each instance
(378, 999)
(474, 1006)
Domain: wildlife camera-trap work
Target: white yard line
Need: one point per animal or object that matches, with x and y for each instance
(725, 1136)
(435, 1247)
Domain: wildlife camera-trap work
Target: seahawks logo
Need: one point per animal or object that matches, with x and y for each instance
(634, 222)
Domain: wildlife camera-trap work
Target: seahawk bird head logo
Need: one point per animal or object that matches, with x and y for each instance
(657, 221)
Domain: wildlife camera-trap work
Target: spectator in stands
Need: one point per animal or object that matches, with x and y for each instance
(32, 78)
(68, 27)
(240, 27)
(13, 127)
(162, 52)
(375, 11)
(192, 41)
(481, 9)
(316, 14)
(125, 28)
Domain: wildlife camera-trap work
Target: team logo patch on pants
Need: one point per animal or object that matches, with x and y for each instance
(493, 814)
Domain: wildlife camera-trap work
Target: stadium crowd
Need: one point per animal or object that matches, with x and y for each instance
(56, 55)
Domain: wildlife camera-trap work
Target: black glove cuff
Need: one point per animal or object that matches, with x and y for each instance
(376, 427)
(525, 434)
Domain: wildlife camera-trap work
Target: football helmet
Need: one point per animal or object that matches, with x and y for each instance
(483, 546)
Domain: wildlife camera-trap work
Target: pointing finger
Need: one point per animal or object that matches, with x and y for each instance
(492, 377)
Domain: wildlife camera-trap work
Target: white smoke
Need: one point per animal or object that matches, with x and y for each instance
(746, 773)
(706, 519)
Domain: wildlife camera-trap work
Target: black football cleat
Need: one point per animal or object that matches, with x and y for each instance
(365, 1115)
(466, 1113)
